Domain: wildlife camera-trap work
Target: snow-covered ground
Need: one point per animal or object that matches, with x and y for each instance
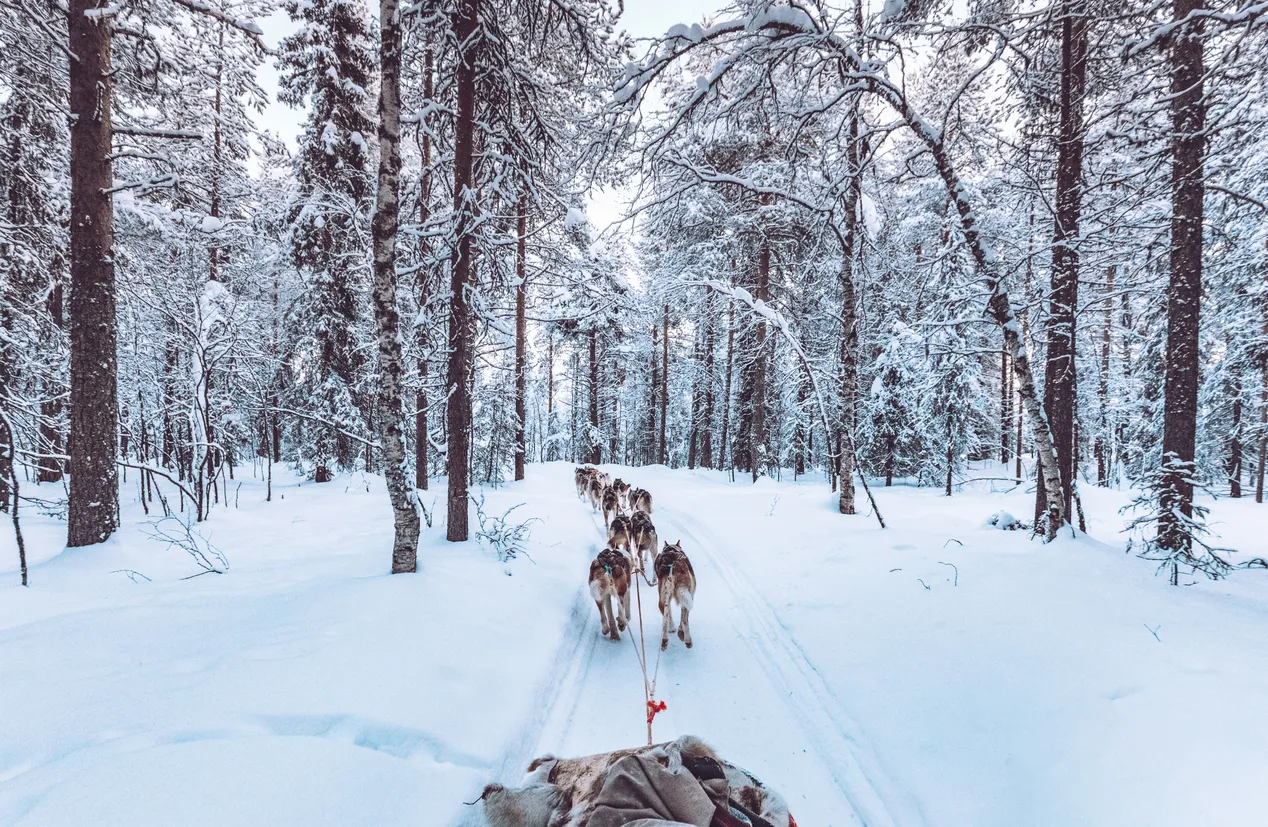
(937, 672)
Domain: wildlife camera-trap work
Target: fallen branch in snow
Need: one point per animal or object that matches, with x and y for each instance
(1154, 631)
(952, 565)
(928, 588)
(132, 574)
(208, 557)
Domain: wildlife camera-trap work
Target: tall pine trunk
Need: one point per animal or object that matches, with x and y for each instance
(1234, 464)
(757, 430)
(521, 338)
(389, 413)
(1060, 381)
(1184, 292)
(1104, 437)
(653, 387)
(462, 283)
(422, 427)
(724, 458)
(706, 421)
(50, 470)
(94, 486)
(663, 451)
(594, 446)
(849, 336)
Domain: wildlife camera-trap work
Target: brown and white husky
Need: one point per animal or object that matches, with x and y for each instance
(641, 500)
(582, 477)
(611, 505)
(594, 494)
(622, 489)
(643, 539)
(621, 535)
(676, 582)
(610, 578)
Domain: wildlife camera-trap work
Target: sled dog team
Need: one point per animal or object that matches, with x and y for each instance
(631, 541)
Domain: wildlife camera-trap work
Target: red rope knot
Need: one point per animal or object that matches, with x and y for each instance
(652, 708)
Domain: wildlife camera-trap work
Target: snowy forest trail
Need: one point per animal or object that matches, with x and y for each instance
(746, 687)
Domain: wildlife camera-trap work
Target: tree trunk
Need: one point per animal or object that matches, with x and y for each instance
(1235, 443)
(1005, 407)
(663, 452)
(550, 398)
(950, 453)
(653, 387)
(757, 430)
(849, 336)
(706, 423)
(94, 487)
(1184, 293)
(50, 470)
(1060, 381)
(724, 458)
(594, 454)
(422, 428)
(1104, 436)
(389, 413)
(462, 284)
(521, 338)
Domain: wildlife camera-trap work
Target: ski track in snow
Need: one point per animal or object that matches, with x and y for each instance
(781, 715)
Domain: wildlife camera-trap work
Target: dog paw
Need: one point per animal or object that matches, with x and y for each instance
(681, 636)
(664, 643)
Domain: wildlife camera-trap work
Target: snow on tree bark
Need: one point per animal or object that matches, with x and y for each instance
(462, 318)
(94, 409)
(388, 411)
(1184, 291)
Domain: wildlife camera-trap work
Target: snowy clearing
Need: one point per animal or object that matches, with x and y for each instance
(939, 672)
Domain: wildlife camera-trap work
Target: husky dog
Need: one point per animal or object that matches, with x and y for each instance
(594, 494)
(611, 505)
(643, 537)
(621, 535)
(676, 581)
(641, 500)
(566, 792)
(622, 489)
(609, 578)
(582, 477)
(604, 477)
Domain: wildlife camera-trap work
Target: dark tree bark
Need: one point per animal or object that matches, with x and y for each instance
(422, 427)
(1104, 432)
(724, 457)
(1005, 407)
(663, 452)
(1234, 464)
(50, 470)
(653, 387)
(849, 336)
(1184, 293)
(462, 284)
(1060, 381)
(389, 413)
(94, 486)
(757, 430)
(706, 421)
(550, 398)
(594, 446)
(521, 338)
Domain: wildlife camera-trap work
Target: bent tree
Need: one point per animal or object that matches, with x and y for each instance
(758, 43)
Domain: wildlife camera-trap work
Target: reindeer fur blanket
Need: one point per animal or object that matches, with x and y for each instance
(679, 783)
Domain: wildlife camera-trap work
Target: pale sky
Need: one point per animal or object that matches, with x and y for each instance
(642, 18)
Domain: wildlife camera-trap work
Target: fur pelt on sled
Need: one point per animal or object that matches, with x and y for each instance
(683, 782)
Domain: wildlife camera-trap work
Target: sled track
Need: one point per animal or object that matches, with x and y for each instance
(836, 738)
(554, 699)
